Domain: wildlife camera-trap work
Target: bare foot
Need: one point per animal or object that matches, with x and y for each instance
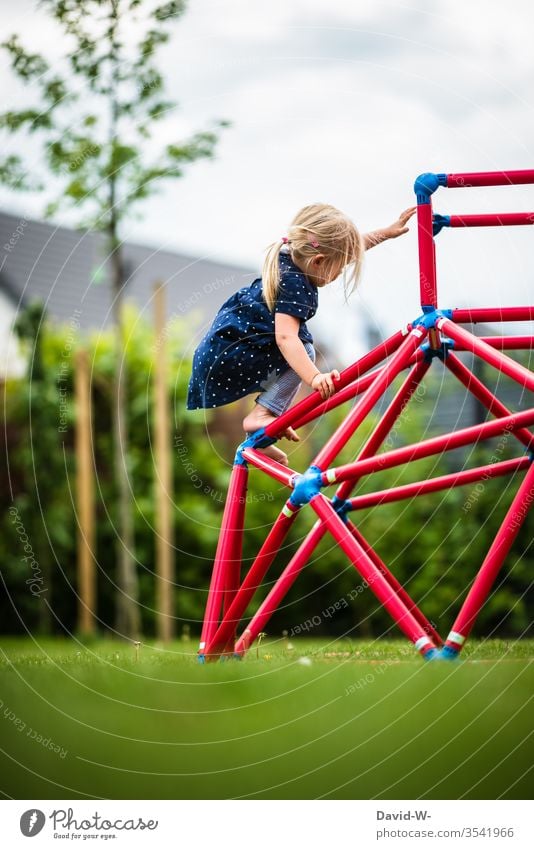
(275, 454)
(261, 417)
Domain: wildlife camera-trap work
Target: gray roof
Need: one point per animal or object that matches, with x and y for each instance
(69, 270)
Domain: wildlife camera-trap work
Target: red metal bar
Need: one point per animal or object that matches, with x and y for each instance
(487, 398)
(489, 178)
(280, 589)
(232, 574)
(495, 358)
(370, 573)
(227, 548)
(369, 399)
(275, 470)
(427, 259)
(364, 364)
(435, 445)
(504, 343)
(471, 316)
(253, 579)
(411, 490)
(503, 219)
(492, 563)
(395, 585)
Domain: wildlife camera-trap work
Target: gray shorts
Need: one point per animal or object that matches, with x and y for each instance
(279, 391)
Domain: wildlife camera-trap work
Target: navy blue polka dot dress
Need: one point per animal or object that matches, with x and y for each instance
(239, 352)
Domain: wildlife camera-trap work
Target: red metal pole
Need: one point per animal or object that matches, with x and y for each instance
(275, 470)
(228, 548)
(504, 343)
(253, 579)
(233, 567)
(427, 259)
(471, 316)
(280, 589)
(369, 399)
(428, 447)
(395, 585)
(490, 178)
(490, 568)
(503, 219)
(495, 358)
(371, 574)
(364, 364)
(487, 398)
(411, 490)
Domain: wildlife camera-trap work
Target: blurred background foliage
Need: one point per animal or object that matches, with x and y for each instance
(434, 544)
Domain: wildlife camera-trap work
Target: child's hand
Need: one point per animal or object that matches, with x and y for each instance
(399, 227)
(324, 383)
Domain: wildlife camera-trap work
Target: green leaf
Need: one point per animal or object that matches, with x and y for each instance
(169, 10)
(51, 208)
(56, 92)
(33, 119)
(77, 189)
(25, 65)
(13, 174)
(153, 39)
(161, 109)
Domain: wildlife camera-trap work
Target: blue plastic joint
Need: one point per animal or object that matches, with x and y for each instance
(432, 654)
(426, 184)
(430, 317)
(258, 439)
(201, 658)
(439, 222)
(341, 506)
(440, 353)
(306, 486)
(448, 653)
(530, 455)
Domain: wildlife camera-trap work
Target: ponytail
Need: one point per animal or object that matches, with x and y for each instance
(270, 275)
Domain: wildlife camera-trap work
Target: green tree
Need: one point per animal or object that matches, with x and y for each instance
(96, 118)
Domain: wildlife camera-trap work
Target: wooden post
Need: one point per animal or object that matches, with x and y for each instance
(163, 484)
(85, 501)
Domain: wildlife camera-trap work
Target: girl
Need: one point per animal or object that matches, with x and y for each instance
(259, 339)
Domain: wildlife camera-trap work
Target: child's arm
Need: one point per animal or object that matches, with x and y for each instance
(396, 229)
(286, 329)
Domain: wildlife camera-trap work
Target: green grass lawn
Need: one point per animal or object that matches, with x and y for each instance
(336, 720)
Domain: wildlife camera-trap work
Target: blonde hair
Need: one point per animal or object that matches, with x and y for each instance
(317, 228)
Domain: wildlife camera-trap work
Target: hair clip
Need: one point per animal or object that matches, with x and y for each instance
(314, 243)
(285, 240)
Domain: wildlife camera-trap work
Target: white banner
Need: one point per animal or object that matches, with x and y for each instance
(268, 824)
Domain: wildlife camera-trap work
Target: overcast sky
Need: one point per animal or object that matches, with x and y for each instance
(343, 103)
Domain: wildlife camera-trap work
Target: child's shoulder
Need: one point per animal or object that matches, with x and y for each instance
(289, 272)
